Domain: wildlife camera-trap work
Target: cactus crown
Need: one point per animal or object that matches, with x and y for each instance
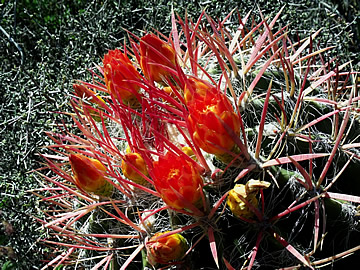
(240, 140)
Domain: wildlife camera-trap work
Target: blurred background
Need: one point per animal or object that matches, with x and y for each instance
(45, 45)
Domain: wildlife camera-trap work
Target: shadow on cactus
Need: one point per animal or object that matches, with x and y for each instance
(225, 145)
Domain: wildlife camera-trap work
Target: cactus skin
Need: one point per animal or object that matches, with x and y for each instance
(242, 104)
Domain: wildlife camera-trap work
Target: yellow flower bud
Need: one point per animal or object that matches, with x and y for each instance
(131, 160)
(241, 193)
(188, 151)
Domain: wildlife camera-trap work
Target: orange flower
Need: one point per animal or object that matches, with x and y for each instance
(136, 160)
(155, 54)
(178, 181)
(118, 72)
(198, 88)
(166, 249)
(206, 106)
(89, 175)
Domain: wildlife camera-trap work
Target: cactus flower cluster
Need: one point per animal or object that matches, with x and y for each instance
(192, 151)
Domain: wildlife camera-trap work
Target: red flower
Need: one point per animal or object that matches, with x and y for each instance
(154, 54)
(206, 107)
(197, 88)
(89, 175)
(118, 72)
(174, 176)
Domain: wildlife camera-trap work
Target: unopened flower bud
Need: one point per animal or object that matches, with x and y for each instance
(89, 175)
(131, 160)
(166, 249)
(156, 55)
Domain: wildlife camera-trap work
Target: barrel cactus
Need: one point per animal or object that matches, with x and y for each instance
(226, 145)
